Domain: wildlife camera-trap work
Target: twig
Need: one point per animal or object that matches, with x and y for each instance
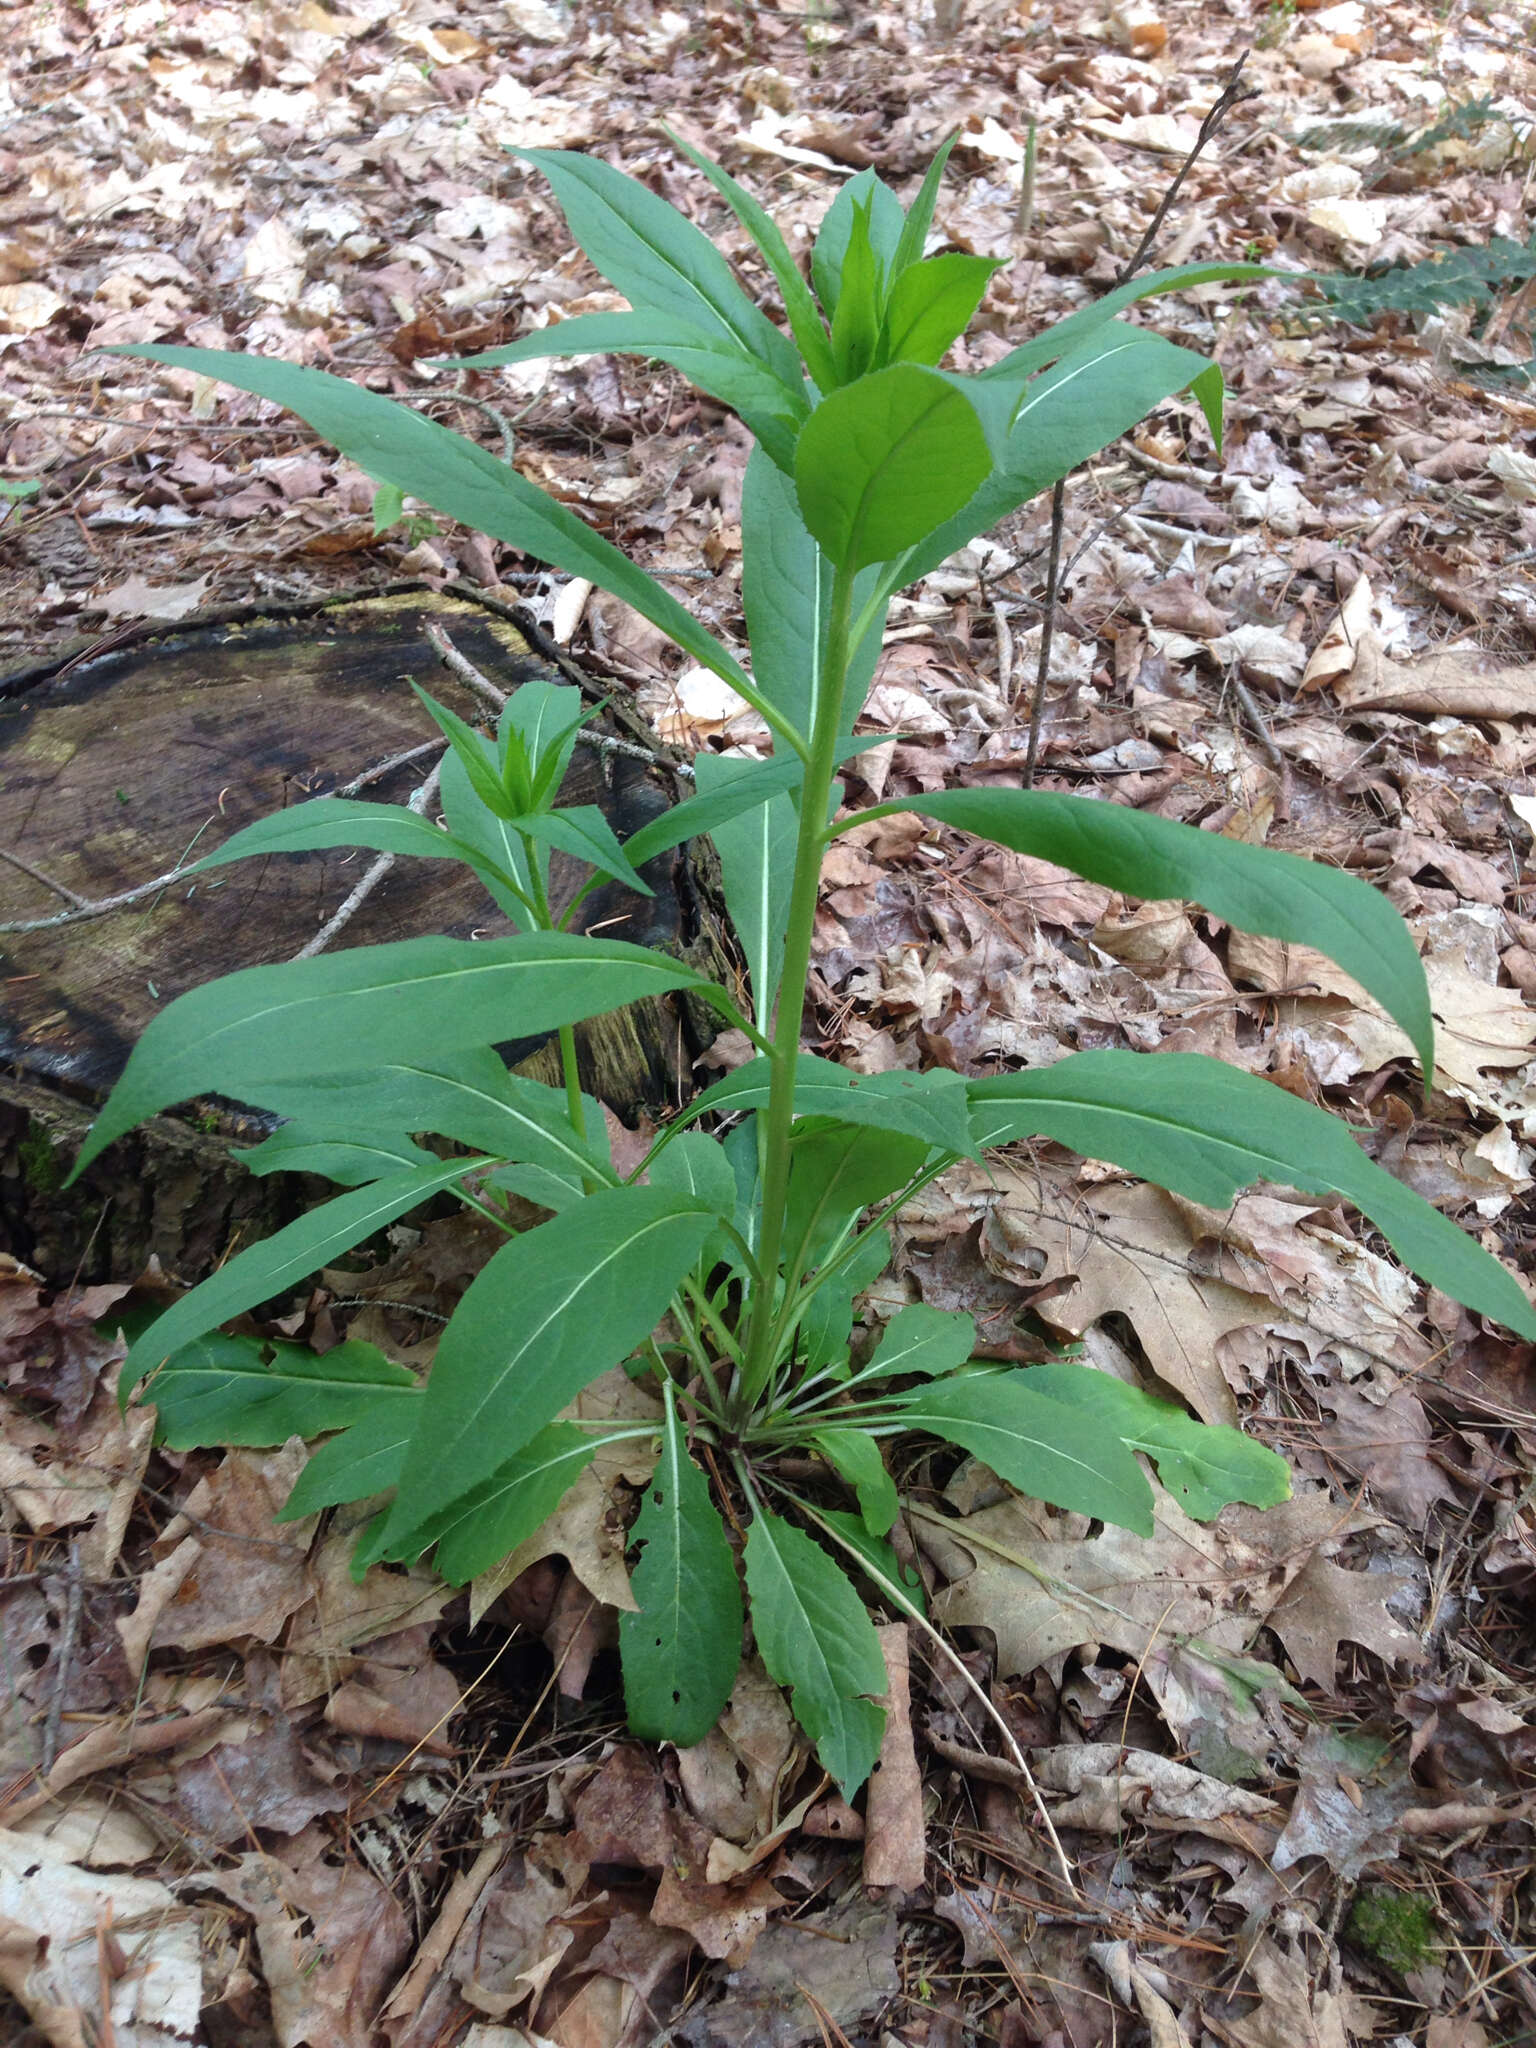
(375, 873)
(1267, 747)
(1232, 93)
(1004, 653)
(44, 881)
(69, 1636)
(1047, 629)
(459, 665)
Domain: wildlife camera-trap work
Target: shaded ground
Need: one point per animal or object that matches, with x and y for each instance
(1290, 1756)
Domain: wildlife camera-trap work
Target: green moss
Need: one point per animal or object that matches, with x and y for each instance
(41, 1167)
(1395, 1928)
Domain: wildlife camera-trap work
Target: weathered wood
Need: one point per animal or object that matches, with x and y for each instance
(119, 769)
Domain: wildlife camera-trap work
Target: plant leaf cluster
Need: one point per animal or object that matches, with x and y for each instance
(729, 1264)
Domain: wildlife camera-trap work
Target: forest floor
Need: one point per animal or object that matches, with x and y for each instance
(1292, 1756)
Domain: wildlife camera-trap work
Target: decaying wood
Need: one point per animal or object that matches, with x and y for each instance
(124, 767)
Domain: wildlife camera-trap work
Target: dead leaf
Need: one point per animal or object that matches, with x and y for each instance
(137, 598)
(1292, 2014)
(1325, 1605)
(1460, 683)
(1108, 1787)
(895, 1840)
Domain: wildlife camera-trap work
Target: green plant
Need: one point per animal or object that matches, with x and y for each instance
(728, 1267)
(1449, 278)
(1396, 1928)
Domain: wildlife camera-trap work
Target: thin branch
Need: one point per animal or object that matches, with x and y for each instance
(473, 679)
(1232, 93)
(372, 877)
(43, 881)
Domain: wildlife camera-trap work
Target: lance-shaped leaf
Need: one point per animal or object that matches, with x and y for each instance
(837, 1170)
(410, 1000)
(757, 873)
(931, 1106)
(901, 1584)
(1043, 1447)
(869, 194)
(855, 1456)
(804, 320)
(682, 1650)
(1092, 397)
(914, 230)
(1205, 1130)
(340, 1152)
(479, 1529)
(883, 461)
(364, 1460)
(659, 260)
(468, 1096)
(241, 1390)
(815, 1637)
(456, 477)
(290, 1254)
(582, 831)
(931, 305)
(774, 408)
(1279, 894)
(1205, 1466)
(919, 1339)
(786, 588)
(697, 1166)
(1069, 335)
(338, 821)
(549, 1312)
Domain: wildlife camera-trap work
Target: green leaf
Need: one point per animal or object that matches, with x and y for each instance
(919, 1339)
(1205, 1466)
(697, 1166)
(657, 259)
(1087, 401)
(861, 294)
(826, 1324)
(804, 320)
(349, 1157)
(1069, 335)
(338, 821)
(1279, 894)
(757, 872)
(682, 1651)
(582, 831)
(771, 405)
(299, 1249)
(548, 1188)
(931, 305)
(243, 1390)
(364, 1460)
(786, 587)
(549, 1312)
(1205, 1130)
(914, 229)
(1040, 1446)
(547, 718)
(931, 1106)
(506, 870)
(467, 744)
(855, 1457)
(886, 225)
(468, 1096)
(836, 1171)
(815, 1637)
(485, 1526)
(900, 1584)
(412, 1000)
(742, 788)
(882, 462)
(453, 475)
(388, 507)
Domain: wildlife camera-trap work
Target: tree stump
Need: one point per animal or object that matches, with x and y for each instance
(117, 768)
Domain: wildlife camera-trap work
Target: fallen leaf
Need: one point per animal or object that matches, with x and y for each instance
(1460, 683)
(895, 1840)
(1108, 1787)
(137, 598)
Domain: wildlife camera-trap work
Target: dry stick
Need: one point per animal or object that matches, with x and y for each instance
(345, 912)
(1267, 747)
(68, 1638)
(1231, 94)
(459, 665)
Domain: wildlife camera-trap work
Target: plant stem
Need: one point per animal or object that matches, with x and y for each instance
(815, 794)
